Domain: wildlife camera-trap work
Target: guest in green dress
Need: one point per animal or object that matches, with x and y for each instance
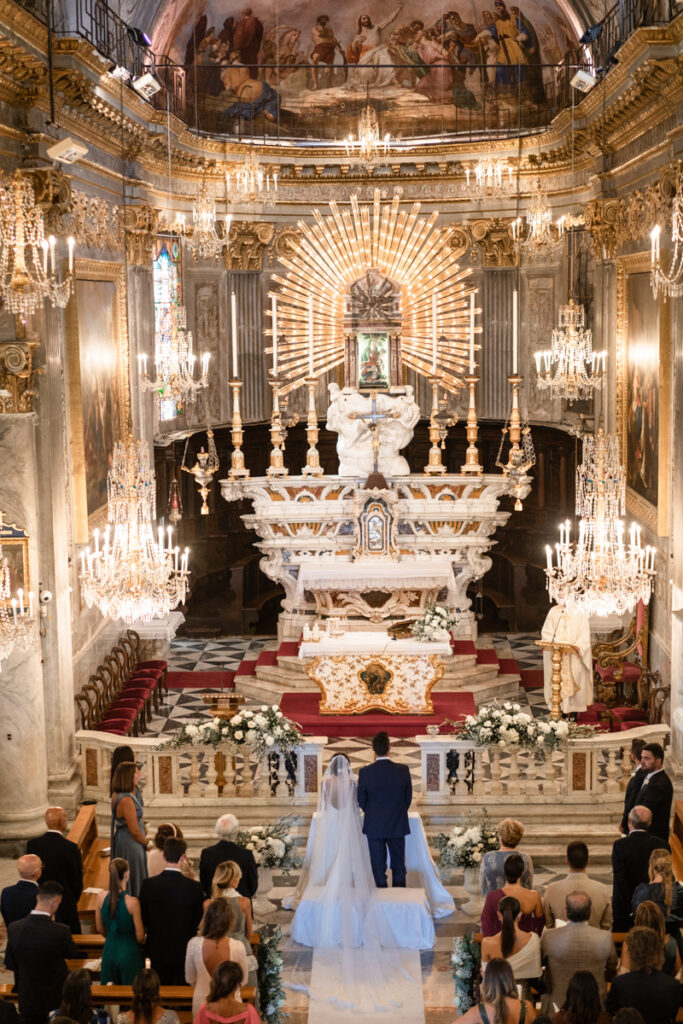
(118, 918)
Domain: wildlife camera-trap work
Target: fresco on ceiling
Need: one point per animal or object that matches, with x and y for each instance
(426, 68)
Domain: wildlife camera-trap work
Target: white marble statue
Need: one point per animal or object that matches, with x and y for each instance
(396, 413)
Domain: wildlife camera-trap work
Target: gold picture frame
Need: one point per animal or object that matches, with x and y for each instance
(14, 545)
(99, 400)
(643, 372)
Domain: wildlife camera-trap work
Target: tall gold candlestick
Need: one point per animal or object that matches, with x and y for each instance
(237, 456)
(516, 467)
(472, 455)
(435, 465)
(312, 467)
(277, 463)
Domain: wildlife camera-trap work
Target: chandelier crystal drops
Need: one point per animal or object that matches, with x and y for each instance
(536, 236)
(369, 147)
(570, 368)
(669, 283)
(130, 573)
(17, 625)
(489, 178)
(600, 574)
(204, 239)
(175, 362)
(28, 261)
(251, 184)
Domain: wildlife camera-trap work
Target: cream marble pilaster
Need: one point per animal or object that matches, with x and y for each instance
(140, 294)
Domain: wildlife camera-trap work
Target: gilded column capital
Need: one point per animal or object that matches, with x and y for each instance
(141, 224)
(247, 245)
(495, 241)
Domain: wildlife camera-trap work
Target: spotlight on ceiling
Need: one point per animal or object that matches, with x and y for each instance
(583, 81)
(120, 73)
(139, 37)
(589, 36)
(147, 85)
(67, 151)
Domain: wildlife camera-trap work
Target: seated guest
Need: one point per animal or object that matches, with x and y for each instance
(223, 1003)
(628, 1016)
(662, 889)
(61, 863)
(225, 884)
(119, 919)
(491, 874)
(522, 950)
(210, 948)
(582, 1004)
(172, 908)
(630, 860)
(531, 917)
(224, 850)
(155, 856)
(500, 1004)
(19, 899)
(8, 1013)
(76, 1002)
(578, 881)
(646, 987)
(576, 947)
(648, 915)
(146, 1007)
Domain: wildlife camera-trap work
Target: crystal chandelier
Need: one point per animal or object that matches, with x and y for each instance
(129, 574)
(536, 236)
(251, 184)
(174, 361)
(28, 273)
(17, 625)
(489, 178)
(369, 147)
(669, 283)
(600, 574)
(571, 369)
(204, 239)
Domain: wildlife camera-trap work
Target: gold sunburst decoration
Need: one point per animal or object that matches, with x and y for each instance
(338, 250)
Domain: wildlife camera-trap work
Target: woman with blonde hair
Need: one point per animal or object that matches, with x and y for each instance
(500, 1004)
(491, 869)
(649, 915)
(662, 889)
(118, 918)
(226, 878)
(210, 948)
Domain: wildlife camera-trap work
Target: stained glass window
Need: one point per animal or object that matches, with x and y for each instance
(168, 291)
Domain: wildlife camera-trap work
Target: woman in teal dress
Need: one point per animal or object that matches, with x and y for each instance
(130, 841)
(118, 918)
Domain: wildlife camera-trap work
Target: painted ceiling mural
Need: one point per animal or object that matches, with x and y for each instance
(298, 70)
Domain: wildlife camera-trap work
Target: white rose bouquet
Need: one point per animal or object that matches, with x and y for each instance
(435, 624)
(508, 725)
(466, 844)
(271, 845)
(261, 730)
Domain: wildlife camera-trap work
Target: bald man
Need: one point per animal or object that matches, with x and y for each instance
(16, 901)
(61, 863)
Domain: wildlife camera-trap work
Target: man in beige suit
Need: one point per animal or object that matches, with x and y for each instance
(575, 947)
(578, 881)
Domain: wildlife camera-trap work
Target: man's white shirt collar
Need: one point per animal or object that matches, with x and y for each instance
(41, 913)
(650, 774)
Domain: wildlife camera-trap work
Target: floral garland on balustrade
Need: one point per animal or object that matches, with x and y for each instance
(465, 960)
(272, 845)
(508, 725)
(271, 992)
(465, 846)
(259, 730)
(435, 623)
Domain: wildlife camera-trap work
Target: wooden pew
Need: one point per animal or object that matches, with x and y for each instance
(178, 997)
(83, 833)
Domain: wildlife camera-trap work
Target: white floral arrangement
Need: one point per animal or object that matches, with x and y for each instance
(508, 725)
(271, 845)
(466, 844)
(434, 624)
(261, 730)
(465, 960)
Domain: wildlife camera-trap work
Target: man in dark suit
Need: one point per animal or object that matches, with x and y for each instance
(19, 900)
(634, 783)
(61, 863)
(630, 858)
(37, 951)
(656, 791)
(172, 907)
(384, 794)
(223, 850)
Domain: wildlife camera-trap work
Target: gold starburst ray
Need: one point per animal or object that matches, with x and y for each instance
(336, 251)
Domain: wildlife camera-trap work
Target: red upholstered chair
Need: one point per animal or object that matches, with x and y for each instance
(622, 662)
(652, 698)
(133, 639)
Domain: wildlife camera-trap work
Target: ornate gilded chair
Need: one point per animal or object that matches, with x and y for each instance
(622, 663)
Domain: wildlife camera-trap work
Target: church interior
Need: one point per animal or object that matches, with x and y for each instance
(341, 355)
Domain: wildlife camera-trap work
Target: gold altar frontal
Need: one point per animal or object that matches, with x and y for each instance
(355, 683)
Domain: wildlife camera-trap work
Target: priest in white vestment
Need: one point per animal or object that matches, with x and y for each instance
(573, 628)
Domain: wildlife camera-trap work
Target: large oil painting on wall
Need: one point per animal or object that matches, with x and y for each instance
(643, 392)
(98, 394)
(305, 70)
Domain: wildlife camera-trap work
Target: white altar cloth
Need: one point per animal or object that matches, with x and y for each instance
(371, 574)
(371, 642)
(402, 917)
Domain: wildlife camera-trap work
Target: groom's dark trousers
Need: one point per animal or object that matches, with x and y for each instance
(384, 794)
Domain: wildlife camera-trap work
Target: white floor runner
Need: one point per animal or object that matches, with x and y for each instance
(403, 969)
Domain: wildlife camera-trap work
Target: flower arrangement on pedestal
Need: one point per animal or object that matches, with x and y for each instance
(434, 624)
(272, 845)
(260, 730)
(271, 992)
(466, 844)
(508, 725)
(465, 960)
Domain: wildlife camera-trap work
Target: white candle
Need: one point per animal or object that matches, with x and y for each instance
(71, 242)
(549, 557)
(434, 334)
(14, 608)
(274, 325)
(233, 312)
(52, 241)
(30, 603)
(654, 244)
(472, 334)
(46, 249)
(310, 335)
(205, 363)
(514, 331)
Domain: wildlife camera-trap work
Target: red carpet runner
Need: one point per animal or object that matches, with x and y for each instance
(303, 708)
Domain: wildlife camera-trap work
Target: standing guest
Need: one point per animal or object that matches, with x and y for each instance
(210, 948)
(646, 987)
(37, 951)
(384, 795)
(531, 917)
(662, 889)
(76, 1004)
(522, 950)
(554, 900)
(500, 1004)
(146, 1007)
(119, 919)
(656, 791)
(634, 783)
(61, 863)
(223, 1003)
(648, 915)
(582, 1005)
(19, 899)
(224, 850)
(155, 856)
(120, 755)
(129, 842)
(630, 862)
(491, 875)
(225, 884)
(576, 947)
(171, 911)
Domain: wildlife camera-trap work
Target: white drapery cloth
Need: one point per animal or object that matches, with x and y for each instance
(571, 628)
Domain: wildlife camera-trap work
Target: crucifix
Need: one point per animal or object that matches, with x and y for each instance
(372, 420)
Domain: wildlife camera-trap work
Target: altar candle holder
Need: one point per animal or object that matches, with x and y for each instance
(516, 467)
(312, 467)
(435, 465)
(237, 468)
(277, 463)
(471, 464)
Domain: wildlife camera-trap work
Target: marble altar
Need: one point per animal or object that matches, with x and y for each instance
(398, 683)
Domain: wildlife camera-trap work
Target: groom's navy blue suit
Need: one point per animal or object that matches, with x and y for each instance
(384, 794)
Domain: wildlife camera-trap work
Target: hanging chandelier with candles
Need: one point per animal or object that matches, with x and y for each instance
(251, 183)
(17, 625)
(570, 369)
(369, 147)
(129, 573)
(489, 178)
(204, 238)
(28, 260)
(669, 283)
(175, 362)
(536, 236)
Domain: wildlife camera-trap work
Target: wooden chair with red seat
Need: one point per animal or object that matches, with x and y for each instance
(120, 723)
(622, 662)
(133, 677)
(120, 705)
(652, 697)
(150, 663)
(135, 691)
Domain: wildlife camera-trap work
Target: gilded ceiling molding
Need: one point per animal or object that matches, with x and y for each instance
(93, 222)
(17, 376)
(285, 243)
(248, 243)
(141, 228)
(495, 242)
(615, 223)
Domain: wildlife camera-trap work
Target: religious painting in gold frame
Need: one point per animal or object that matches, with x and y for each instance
(643, 392)
(14, 545)
(97, 356)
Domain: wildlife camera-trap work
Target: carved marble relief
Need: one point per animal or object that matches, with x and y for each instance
(207, 338)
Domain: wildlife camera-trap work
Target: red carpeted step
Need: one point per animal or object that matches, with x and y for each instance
(247, 667)
(508, 666)
(532, 678)
(486, 656)
(267, 658)
(463, 647)
(201, 680)
(303, 708)
(289, 649)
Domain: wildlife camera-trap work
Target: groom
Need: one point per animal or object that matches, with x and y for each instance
(384, 794)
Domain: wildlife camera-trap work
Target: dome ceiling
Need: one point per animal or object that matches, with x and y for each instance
(292, 69)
